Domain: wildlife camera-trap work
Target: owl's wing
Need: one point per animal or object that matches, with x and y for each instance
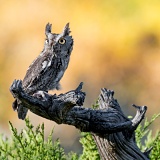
(36, 70)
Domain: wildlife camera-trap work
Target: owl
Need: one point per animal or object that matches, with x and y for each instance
(48, 68)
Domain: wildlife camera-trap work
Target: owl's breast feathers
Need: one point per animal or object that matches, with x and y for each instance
(44, 73)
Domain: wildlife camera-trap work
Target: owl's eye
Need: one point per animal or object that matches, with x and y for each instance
(47, 41)
(62, 41)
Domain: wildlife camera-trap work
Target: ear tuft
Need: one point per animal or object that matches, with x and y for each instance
(66, 30)
(48, 29)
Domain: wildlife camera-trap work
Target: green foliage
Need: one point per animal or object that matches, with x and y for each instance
(155, 154)
(89, 148)
(144, 134)
(72, 156)
(29, 144)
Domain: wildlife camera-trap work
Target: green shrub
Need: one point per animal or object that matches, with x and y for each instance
(29, 144)
(145, 138)
(89, 147)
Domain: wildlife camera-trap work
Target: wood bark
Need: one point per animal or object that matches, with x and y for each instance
(112, 131)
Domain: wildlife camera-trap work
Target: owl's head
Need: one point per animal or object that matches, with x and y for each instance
(60, 44)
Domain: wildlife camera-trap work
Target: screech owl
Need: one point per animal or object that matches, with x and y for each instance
(48, 68)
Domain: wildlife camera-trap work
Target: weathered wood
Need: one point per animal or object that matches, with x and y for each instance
(112, 131)
(119, 145)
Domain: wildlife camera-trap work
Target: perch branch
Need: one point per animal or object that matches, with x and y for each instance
(112, 131)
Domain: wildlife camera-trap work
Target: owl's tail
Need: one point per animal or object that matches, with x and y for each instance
(21, 110)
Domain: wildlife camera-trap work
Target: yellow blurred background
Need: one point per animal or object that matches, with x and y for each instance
(117, 46)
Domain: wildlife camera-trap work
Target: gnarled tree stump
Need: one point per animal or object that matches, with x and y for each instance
(112, 131)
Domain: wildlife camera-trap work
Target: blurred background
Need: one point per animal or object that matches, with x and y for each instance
(117, 46)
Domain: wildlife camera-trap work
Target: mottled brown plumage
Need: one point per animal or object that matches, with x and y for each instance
(48, 68)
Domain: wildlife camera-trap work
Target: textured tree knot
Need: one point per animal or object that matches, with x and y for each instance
(107, 96)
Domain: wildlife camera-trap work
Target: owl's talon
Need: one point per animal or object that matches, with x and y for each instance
(16, 87)
(44, 96)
